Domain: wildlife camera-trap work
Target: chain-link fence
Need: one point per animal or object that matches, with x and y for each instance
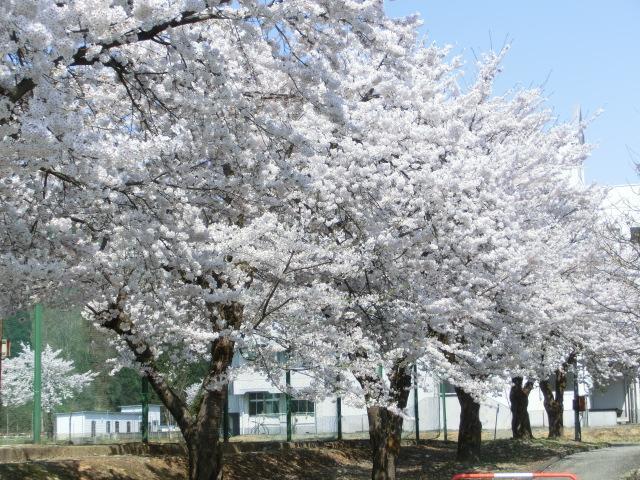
(83, 401)
(75, 381)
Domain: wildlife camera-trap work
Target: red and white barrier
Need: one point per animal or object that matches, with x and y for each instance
(471, 476)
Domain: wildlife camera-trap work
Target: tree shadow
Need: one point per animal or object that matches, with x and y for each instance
(303, 463)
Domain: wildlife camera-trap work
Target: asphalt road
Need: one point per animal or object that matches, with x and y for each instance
(603, 464)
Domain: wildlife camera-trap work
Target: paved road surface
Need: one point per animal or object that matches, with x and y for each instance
(604, 464)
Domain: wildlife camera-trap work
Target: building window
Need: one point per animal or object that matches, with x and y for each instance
(128, 427)
(449, 388)
(117, 427)
(264, 403)
(303, 407)
(108, 426)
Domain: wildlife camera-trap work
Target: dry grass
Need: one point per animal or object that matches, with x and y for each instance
(98, 468)
(431, 460)
(632, 475)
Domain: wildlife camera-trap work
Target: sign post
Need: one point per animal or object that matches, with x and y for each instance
(576, 402)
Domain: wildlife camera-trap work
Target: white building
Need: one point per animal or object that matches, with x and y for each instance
(257, 407)
(115, 425)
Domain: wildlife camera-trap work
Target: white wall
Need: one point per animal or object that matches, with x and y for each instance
(81, 423)
(495, 411)
(62, 424)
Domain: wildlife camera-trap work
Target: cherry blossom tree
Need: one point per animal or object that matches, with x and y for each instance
(452, 235)
(156, 157)
(293, 176)
(59, 382)
(606, 342)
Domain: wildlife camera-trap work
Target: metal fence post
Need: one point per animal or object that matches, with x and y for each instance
(444, 409)
(288, 406)
(145, 409)
(416, 410)
(339, 415)
(225, 420)
(37, 373)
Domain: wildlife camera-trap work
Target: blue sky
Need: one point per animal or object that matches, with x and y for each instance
(584, 53)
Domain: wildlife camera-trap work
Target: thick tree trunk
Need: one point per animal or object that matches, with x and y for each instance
(385, 426)
(556, 424)
(470, 430)
(385, 430)
(203, 442)
(519, 398)
(554, 404)
(201, 433)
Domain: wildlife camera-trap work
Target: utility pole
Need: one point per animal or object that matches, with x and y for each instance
(37, 373)
(576, 393)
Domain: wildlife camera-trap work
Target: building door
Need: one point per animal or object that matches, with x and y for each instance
(93, 428)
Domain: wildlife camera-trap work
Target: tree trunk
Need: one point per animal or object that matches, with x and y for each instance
(519, 398)
(385, 430)
(385, 426)
(201, 432)
(203, 442)
(554, 404)
(556, 424)
(203, 435)
(470, 430)
(48, 424)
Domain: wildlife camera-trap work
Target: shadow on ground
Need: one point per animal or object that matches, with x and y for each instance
(431, 460)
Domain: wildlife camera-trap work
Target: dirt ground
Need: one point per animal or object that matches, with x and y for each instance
(433, 460)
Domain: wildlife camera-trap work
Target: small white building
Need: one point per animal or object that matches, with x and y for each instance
(116, 425)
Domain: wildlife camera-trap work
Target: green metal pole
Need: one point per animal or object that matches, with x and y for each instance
(288, 404)
(415, 402)
(37, 373)
(576, 403)
(444, 410)
(225, 420)
(145, 409)
(339, 414)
